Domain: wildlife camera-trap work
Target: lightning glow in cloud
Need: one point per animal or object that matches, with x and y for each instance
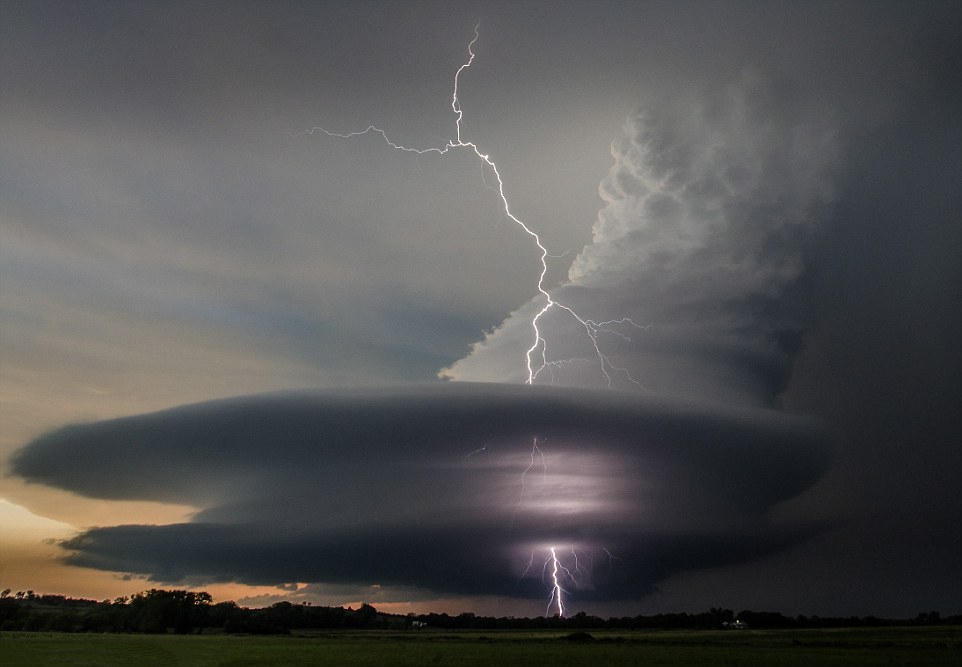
(536, 356)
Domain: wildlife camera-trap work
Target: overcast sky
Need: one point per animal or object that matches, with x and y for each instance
(768, 191)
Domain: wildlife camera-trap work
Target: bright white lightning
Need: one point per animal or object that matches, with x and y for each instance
(592, 328)
(556, 589)
(539, 346)
(554, 568)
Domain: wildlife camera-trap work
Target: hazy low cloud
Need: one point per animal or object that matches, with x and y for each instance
(437, 487)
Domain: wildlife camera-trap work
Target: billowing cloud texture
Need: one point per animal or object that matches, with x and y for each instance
(710, 205)
(779, 216)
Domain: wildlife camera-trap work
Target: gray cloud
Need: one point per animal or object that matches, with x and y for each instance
(711, 202)
(366, 487)
(783, 212)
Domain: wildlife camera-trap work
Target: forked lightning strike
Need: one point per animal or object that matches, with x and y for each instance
(558, 572)
(592, 328)
(556, 589)
(539, 346)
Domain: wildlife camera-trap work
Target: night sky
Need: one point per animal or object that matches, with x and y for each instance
(242, 355)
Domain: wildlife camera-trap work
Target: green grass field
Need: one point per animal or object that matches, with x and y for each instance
(888, 646)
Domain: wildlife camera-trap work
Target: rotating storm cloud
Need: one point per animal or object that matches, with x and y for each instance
(469, 488)
(375, 486)
(775, 229)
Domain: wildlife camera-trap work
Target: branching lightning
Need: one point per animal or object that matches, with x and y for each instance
(556, 589)
(536, 356)
(554, 569)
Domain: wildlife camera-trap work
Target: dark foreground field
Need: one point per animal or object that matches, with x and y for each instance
(888, 646)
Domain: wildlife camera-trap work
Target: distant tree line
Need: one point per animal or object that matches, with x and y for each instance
(159, 611)
(176, 611)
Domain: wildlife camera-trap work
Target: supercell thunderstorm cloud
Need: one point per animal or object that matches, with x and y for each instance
(614, 493)
(366, 487)
(599, 306)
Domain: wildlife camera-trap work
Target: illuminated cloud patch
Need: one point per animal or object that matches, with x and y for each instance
(437, 487)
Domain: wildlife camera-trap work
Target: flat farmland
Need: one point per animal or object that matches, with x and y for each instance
(875, 646)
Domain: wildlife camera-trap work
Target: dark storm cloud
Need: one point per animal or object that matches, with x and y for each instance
(474, 559)
(785, 214)
(370, 486)
(783, 209)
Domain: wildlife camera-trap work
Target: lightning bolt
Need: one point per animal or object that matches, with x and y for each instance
(556, 589)
(536, 356)
(535, 453)
(554, 568)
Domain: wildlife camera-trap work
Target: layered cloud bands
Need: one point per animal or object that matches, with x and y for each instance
(463, 489)
(437, 487)
(709, 206)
